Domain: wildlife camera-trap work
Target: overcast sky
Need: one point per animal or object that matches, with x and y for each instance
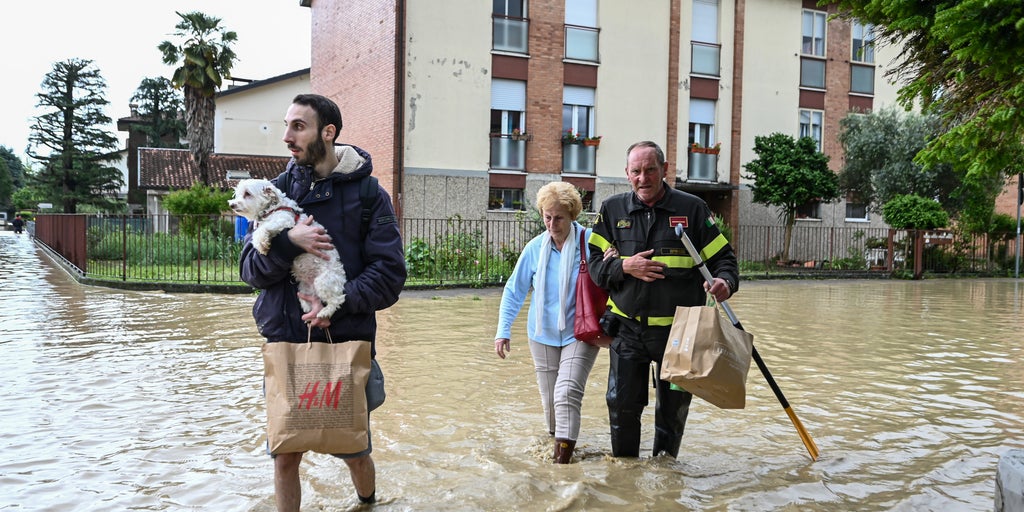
(121, 38)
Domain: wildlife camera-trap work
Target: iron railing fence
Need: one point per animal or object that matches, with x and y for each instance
(812, 245)
(203, 250)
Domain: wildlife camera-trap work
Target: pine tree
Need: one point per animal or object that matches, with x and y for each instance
(12, 176)
(161, 106)
(72, 139)
(14, 166)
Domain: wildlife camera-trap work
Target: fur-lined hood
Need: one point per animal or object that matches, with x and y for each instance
(349, 159)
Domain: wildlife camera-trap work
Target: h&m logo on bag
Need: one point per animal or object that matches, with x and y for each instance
(312, 398)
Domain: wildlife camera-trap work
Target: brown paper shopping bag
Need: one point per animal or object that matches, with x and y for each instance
(708, 357)
(316, 396)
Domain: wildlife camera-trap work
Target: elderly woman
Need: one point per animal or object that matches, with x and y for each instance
(549, 264)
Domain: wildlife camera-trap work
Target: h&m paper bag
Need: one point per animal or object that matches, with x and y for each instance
(316, 396)
(708, 357)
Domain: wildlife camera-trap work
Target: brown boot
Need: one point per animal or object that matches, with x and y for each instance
(563, 450)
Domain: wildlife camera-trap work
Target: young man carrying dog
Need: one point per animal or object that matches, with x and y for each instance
(325, 180)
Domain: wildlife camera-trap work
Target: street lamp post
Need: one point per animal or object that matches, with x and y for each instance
(1020, 201)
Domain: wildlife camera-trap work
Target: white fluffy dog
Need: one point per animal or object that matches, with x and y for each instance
(270, 212)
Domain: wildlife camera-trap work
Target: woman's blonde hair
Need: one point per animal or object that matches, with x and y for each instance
(560, 193)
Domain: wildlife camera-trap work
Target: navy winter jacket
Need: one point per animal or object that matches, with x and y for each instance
(374, 266)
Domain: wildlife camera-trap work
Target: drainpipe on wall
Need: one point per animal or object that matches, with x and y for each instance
(399, 152)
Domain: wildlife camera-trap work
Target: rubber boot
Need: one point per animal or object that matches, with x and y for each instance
(563, 450)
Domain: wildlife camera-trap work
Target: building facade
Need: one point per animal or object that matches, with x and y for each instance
(469, 107)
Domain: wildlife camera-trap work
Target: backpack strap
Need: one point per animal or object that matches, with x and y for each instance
(367, 196)
(368, 191)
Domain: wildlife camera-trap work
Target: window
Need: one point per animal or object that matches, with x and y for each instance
(578, 117)
(702, 122)
(812, 73)
(587, 197)
(810, 125)
(809, 211)
(505, 199)
(812, 49)
(862, 69)
(508, 105)
(511, 27)
(581, 30)
(863, 43)
(862, 79)
(813, 32)
(856, 212)
(704, 48)
(578, 110)
(702, 165)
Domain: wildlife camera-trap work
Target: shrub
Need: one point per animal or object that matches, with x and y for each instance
(914, 212)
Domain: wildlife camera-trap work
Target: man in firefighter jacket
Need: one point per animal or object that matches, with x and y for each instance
(652, 276)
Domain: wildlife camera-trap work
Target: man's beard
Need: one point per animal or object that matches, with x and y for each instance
(315, 152)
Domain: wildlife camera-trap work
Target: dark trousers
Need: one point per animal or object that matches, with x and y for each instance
(629, 376)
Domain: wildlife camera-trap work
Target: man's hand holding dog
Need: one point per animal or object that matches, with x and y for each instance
(312, 239)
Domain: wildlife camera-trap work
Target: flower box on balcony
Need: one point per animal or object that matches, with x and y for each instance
(517, 135)
(712, 150)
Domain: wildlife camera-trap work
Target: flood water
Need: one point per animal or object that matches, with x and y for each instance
(119, 400)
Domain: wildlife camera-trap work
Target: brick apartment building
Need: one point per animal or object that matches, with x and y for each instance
(463, 104)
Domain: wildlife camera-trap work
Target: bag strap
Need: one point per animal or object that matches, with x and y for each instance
(309, 336)
(583, 247)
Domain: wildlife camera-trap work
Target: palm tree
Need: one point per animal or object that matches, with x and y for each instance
(206, 59)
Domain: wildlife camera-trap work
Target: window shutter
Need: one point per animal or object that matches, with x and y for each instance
(508, 95)
(705, 21)
(581, 12)
(702, 111)
(573, 95)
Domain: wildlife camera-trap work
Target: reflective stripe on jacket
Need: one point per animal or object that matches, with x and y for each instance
(633, 227)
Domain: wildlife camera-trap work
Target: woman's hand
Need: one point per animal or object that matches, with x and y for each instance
(611, 252)
(501, 346)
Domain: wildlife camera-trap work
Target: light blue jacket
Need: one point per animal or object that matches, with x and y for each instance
(524, 279)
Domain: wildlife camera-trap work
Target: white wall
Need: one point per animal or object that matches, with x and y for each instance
(251, 122)
(632, 100)
(448, 85)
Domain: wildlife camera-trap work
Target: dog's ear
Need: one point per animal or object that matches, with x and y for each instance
(269, 191)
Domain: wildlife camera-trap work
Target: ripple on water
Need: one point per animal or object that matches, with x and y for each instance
(117, 400)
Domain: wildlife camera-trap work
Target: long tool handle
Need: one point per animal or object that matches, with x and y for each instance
(812, 448)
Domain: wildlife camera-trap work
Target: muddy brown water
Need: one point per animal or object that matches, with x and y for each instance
(118, 400)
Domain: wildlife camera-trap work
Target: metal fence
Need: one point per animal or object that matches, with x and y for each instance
(203, 250)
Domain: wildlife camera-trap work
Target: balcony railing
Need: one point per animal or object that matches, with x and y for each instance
(510, 34)
(705, 58)
(508, 154)
(579, 158)
(703, 166)
(581, 43)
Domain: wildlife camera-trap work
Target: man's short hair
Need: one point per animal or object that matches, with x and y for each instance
(659, 155)
(327, 111)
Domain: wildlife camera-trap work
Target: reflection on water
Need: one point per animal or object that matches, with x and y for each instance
(117, 400)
